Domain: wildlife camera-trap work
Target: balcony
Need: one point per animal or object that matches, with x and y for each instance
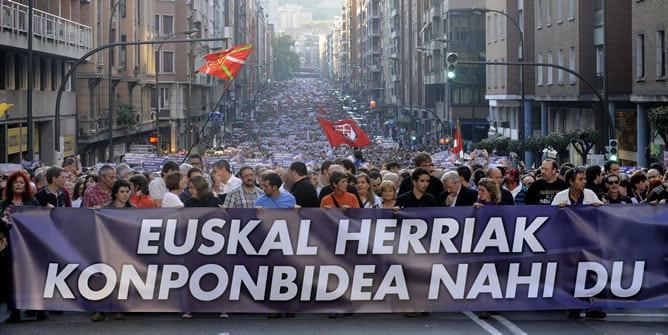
(53, 34)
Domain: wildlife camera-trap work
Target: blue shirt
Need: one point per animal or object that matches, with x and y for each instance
(285, 200)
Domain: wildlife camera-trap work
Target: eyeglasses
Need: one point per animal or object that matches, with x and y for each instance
(612, 182)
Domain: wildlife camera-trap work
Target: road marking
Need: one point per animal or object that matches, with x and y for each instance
(639, 315)
(482, 323)
(511, 326)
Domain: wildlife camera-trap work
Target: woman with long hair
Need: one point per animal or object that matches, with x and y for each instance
(368, 198)
(388, 192)
(78, 192)
(202, 196)
(489, 193)
(17, 193)
(139, 189)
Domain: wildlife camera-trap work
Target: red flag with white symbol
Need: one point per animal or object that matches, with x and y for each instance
(344, 132)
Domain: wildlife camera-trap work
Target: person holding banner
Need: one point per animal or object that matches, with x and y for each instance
(340, 197)
(120, 195)
(202, 196)
(576, 193)
(388, 191)
(273, 197)
(17, 193)
(175, 184)
(488, 193)
(419, 196)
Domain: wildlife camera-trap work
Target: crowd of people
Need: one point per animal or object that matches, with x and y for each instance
(373, 178)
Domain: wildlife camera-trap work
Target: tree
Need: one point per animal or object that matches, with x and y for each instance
(126, 115)
(658, 118)
(559, 142)
(535, 145)
(583, 140)
(286, 61)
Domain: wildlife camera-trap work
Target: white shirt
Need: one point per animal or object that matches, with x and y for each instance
(589, 198)
(232, 184)
(157, 188)
(171, 200)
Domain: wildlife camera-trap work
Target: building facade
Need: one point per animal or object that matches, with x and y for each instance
(60, 35)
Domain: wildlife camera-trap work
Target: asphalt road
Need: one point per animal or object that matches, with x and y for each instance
(623, 322)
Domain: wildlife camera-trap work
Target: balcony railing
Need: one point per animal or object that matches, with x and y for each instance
(46, 26)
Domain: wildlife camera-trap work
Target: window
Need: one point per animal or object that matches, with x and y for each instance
(167, 25)
(503, 74)
(548, 13)
(123, 62)
(168, 61)
(539, 70)
(550, 70)
(571, 9)
(164, 97)
(496, 29)
(539, 20)
(157, 62)
(156, 25)
(560, 62)
(560, 11)
(640, 56)
(661, 54)
(600, 60)
(571, 65)
(489, 28)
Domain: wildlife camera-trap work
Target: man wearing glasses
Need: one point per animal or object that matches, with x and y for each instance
(613, 196)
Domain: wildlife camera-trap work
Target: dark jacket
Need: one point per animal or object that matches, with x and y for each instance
(305, 193)
(212, 201)
(466, 197)
(435, 187)
(61, 200)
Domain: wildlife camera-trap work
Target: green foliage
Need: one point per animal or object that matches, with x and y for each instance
(559, 143)
(583, 140)
(535, 145)
(286, 61)
(658, 118)
(502, 146)
(126, 115)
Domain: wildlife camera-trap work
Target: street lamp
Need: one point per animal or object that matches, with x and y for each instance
(526, 112)
(111, 84)
(157, 74)
(442, 66)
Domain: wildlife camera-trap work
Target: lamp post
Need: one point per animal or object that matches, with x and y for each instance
(442, 66)
(111, 84)
(157, 74)
(526, 112)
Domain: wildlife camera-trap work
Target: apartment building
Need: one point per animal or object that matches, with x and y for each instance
(59, 37)
(648, 38)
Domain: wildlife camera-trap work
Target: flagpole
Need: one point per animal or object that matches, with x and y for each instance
(201, 130)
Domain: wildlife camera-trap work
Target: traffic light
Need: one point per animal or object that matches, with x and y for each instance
(154, 140)
(452, 64)
(613, 150)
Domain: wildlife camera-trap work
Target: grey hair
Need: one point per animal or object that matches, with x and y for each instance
(451, 176)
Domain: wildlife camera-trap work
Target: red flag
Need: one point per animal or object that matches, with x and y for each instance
(322, 110)
(344, 132)
(226, 64)
(458, 145)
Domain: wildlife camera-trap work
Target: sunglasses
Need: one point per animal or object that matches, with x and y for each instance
(612, 182)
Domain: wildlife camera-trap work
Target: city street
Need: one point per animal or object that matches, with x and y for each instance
(652, 322)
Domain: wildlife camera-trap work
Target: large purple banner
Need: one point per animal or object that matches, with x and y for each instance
(357, 260)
